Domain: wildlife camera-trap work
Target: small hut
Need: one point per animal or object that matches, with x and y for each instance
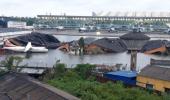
(134, 42)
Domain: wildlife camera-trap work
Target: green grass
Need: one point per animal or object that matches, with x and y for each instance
(79, 83)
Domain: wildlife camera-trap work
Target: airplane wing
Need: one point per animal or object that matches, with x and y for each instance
(28, 47)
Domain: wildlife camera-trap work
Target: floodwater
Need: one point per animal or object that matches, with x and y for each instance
(49, 59)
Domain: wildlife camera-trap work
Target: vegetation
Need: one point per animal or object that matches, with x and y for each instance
(11, 63)
(2, 72)
(80, 83)
(81, 45)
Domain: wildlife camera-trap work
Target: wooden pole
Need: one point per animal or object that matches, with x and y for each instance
(133, 60)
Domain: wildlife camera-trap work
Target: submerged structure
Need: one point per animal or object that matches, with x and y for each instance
(37, 39)
(108, 45)
(93, 46)
(154, 46)
(135, 40)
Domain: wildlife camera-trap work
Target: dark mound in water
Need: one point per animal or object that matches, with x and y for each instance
(38, 39)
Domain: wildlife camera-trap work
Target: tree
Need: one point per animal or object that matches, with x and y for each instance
(84, 70)
(81, 45)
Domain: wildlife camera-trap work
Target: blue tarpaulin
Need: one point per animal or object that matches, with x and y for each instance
(127, 77)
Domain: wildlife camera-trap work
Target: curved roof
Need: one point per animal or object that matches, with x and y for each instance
(38, 39)
(115, 45)
(153, 44)
(135, 36)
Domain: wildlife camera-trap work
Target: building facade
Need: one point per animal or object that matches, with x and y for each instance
(155, 77)
(16, 24)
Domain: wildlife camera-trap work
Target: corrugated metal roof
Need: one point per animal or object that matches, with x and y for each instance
(160, 62)
(135, 36)
(89, 40)
(153, 44)
(114, 45)
(135, 41)
(123, 73)
(156, 72)
(135, 44)
(15, 86)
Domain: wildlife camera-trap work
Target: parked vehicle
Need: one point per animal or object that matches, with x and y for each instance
(167, 31)
(112, 30)
(88, 29)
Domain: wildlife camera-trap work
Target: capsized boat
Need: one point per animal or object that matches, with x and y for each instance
(28, 48)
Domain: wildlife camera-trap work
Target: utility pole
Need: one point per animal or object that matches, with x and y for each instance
(133, 60)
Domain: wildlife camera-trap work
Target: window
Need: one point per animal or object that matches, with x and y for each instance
(167, 90)
(149, 86)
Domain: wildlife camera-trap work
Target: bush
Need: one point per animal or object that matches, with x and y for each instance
(77, 82)
(57, 72)
(11, 63)
(84, 70)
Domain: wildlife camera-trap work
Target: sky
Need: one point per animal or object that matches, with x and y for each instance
(32, 8)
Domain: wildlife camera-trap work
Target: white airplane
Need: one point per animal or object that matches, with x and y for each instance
(28, 48)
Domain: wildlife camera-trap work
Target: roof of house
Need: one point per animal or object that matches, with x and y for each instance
(135, 44)
(156, 72)
(135, 40)
(88, 41)
(15, 86)
(115, 45)
(160, 62)
(134, 36)
(167, 43)
(38, 39)
(128, 74)
(153, 44)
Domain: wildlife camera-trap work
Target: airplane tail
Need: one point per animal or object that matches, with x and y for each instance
(7, 43)
(28, 47)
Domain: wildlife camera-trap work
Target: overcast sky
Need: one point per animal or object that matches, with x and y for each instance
(79, 7)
